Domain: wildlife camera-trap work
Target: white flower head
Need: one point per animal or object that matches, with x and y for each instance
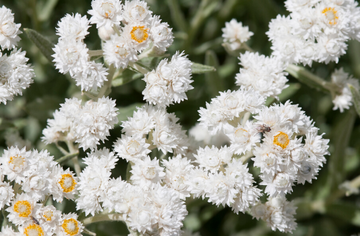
(73, 27)
(131, 148)
(138, 34)
(161, 34)
(235, 34)
(63, 184)
(119, 52)
(212, 159)
(136, 11)
(9, 31)
(6, 193)
(14, 164)
(21, 209)
(106, 13)
(15, 74)
(69, 225)
(146, 172)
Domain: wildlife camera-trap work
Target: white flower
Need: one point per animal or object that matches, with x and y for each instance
(136, 11)
(14, 164)
(140, 124)
(177, 174)
(212, 159)
(106, 13)
(131, 148)
(9, 31)
(63, 184)
(21, 209)
(138, 35)
(146, 172)
(161, 34)
(49, 218)
(341, 79)
(15, 74)
(119, 52)
(92, 76)
(169, 82)
(264, 74)
(73, 27)
(6, 193)
(69, 225)
(235, 34)
(93, 122)
(32, 228)
(8, 231)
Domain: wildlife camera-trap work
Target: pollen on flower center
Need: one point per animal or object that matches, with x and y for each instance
(139, 33)
(16, 162)
(70, 226)
(23, 208)
(108, 8)
(67, 183)
(121, 51)
(48, 215)
(281, 140)
(33, 230)
(330, 15)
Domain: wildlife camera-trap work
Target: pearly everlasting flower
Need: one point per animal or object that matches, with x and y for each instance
(161, 34)
(343, 99)
(138, 35)
(177, 173)
(73, 27)
(212, 159)
(21, 209)
(228, 106)
(202, 134)
(32, 229)
(15, 74)
(136, 11)
(70, 226)
(94, 179)
(49, 218)
(106, 13)
(131, 148)
(9, 31)
(119, 52)
(146, 172)
(263, 74)
(140, 124)
(63, 184)
(278, 214)
(235, 34)
(6, 193)
(169, 82)
(14, 164)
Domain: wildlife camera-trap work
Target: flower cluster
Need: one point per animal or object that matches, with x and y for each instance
(314, 30)
(235, 34)
(15, 73)
(84, 124)
(39, 176)
(169, 81)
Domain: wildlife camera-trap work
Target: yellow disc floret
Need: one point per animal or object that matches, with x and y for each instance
(16, 162)
(23, 208)
(33, 230)
(330, 14)
(139, 33)
(67, 183)
(70, 226)
(48, 215)
(281, 139)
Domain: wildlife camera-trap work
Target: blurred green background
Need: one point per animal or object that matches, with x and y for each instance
(323, 208)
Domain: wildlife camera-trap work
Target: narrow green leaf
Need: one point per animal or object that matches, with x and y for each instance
(125, 77)
(44, 45)
(177, 15)
(42, 108)
(213, 79)
(356, 98)
(197, 68)
(308, 78)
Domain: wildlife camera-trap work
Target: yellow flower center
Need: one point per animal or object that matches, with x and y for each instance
(33, 230)
(23, 208)
(67, 183)
(16, 162)
(48, 215)
(108, 8)
(139, 33)
(281, 140)
(330, 15)
(121, 51)
(70, 226)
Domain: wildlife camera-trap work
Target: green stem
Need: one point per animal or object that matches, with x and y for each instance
(246, 157)
(95, 53)
(67, 157)
(5, 222)
(75, 159)
(139, 68)
(61, 149)
(102, 217)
